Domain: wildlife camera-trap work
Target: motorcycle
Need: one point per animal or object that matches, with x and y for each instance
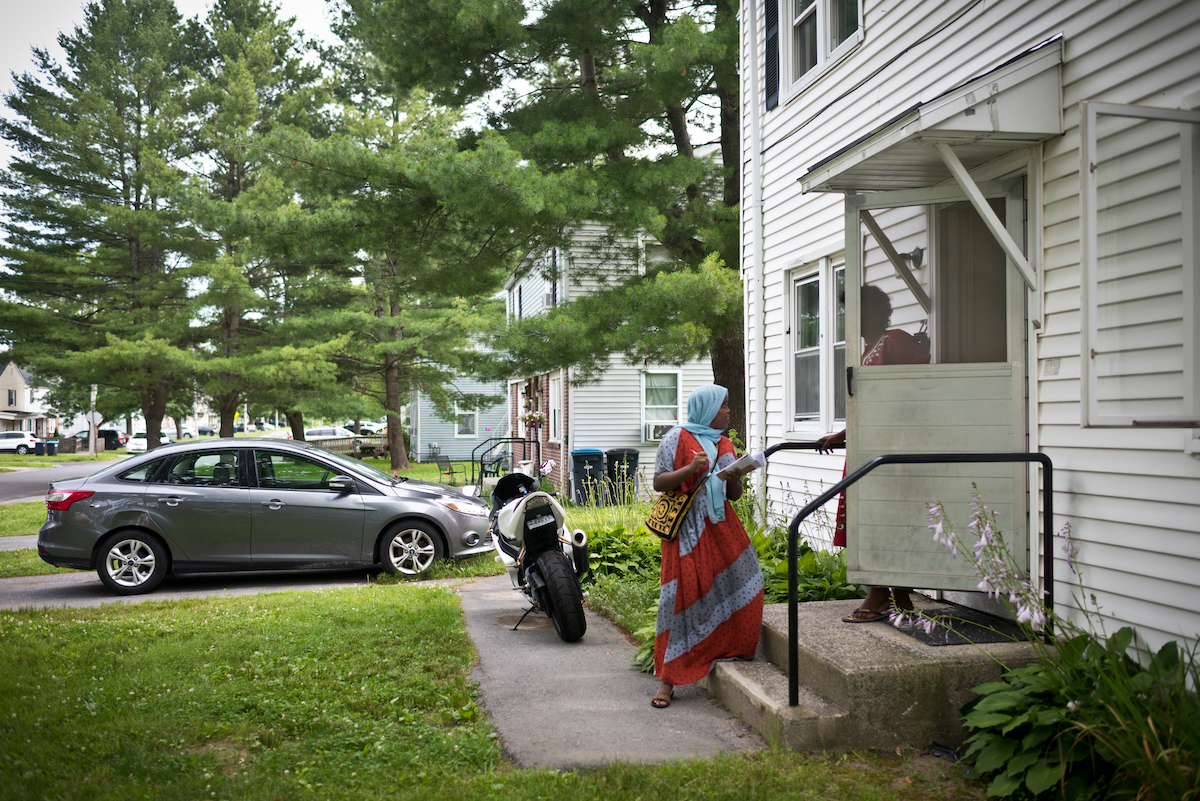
(544, 561)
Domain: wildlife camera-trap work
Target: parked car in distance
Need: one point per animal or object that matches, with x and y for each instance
(137, 443)
(205, 431)
(328, 432)
(113, 438)
(366, 425)
(22, 442)
(252, 504)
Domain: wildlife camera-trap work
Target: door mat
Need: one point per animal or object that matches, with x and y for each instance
(959, 625)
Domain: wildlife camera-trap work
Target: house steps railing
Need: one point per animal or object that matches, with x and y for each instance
(481, 451)
(906, 458)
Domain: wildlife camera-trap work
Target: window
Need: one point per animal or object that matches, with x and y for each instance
(209, 469)
(819, 346)
(556, 408)
(465, 423)
(802, 36)
(142, 474)
(1139, 237)
(12, 397)
(284, 471)
(661, 396)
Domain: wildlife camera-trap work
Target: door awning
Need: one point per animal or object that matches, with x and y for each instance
(1014, 106)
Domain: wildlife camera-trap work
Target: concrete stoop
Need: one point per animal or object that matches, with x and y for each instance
(861, 684)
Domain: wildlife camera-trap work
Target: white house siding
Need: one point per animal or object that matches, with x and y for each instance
(1131, 496)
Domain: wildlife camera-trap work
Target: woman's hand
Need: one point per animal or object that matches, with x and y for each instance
(666, 482)
(827, 443)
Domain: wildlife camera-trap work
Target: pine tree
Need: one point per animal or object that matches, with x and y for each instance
(98, 257)
(632, 97)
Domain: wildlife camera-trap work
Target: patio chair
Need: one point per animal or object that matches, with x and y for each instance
(445, 468)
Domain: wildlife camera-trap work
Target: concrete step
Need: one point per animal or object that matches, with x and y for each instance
(865, 684)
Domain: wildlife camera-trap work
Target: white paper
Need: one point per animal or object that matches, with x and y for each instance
(755, 461)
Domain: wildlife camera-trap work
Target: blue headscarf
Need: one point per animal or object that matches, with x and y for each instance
(703, 405)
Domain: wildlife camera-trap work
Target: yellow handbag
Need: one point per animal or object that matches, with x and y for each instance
(666, 517)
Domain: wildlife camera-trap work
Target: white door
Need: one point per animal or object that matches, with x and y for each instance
(963, 303)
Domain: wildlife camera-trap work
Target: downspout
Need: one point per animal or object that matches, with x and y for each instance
(757, 293)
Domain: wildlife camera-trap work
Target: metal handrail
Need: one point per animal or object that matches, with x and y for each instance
(498, 442)
(906, 458)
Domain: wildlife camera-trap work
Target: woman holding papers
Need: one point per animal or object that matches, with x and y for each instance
(711, 598)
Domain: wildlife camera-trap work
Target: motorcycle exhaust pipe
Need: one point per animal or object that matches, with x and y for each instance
(579, 552)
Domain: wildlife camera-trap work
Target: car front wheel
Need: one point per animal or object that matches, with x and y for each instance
(410, 549)
(132, 563)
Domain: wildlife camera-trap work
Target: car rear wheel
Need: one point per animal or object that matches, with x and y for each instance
(22, 449)
(132, 563)
(410, 549)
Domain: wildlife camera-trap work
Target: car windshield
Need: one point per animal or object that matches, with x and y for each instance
(360, 468)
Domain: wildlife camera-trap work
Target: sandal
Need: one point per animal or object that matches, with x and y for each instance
(867, 616)
(662, 700)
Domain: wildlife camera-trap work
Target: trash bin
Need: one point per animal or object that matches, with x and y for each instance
(39, 449)
(587, 471)
(52, 448)
(622, 475)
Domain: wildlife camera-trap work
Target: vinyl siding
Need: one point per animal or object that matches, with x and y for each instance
(1131, 497)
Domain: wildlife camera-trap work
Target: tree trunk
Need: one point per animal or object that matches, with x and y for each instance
(227, 407)
(296, 422)
(154, 407)
(392, 402)
(729, 370)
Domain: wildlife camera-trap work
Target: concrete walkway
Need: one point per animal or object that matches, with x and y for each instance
(582, 705)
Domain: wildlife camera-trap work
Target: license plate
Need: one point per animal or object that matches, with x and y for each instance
(544, 520)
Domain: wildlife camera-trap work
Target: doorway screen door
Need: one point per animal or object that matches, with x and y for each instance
(946, 375)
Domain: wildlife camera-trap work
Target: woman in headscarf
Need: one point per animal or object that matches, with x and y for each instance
(711, 601)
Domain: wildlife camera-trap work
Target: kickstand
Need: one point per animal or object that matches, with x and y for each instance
(522, 620)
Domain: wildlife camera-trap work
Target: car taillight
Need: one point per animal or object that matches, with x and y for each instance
(61, 500)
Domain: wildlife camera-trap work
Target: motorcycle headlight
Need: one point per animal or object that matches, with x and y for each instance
(463, 507)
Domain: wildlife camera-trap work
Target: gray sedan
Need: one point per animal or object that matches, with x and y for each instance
(251, 504)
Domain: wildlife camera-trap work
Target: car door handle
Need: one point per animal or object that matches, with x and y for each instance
(170, 500)
(274, 503)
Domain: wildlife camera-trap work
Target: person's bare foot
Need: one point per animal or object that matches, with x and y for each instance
(662, 699)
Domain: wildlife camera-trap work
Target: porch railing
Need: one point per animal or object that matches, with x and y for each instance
(481, 451)
(906, 458)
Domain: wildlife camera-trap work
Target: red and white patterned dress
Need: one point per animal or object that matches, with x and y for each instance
(711, 599)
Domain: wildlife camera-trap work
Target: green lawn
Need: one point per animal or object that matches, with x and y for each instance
(359, 694)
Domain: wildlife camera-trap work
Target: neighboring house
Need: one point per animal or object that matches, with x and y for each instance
(631, 406)
(1021, 179)
(20, 404)
(462, 437)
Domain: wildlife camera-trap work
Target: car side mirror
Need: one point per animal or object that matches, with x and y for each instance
(341, 484)
(471, 491)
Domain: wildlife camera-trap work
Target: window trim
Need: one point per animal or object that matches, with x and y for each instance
(458, 413)
(679, 407)
(826, 57)
(554, 425)
(1090, 415)
(824, 269)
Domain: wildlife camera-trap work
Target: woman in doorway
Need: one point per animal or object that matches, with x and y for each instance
(711, 598)
(883, 346)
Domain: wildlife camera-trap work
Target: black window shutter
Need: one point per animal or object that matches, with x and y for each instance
(771, 11)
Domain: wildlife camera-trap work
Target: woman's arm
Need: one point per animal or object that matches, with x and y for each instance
(666, 482)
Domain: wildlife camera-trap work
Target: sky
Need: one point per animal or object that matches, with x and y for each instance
(37, 23)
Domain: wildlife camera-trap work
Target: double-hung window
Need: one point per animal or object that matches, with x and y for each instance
(803, 36)
(466, 422)
(660, 403)
(556, 408)
(818, 340)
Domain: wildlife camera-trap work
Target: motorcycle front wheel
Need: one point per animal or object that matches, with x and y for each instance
(563, 596)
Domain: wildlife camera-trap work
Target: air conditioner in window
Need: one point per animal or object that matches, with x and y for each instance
(656, 431)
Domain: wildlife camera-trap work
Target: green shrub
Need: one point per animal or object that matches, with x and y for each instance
(1089, 719)
(617, 553)
(820, 575)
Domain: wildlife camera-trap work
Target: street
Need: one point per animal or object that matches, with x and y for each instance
(31, 484)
